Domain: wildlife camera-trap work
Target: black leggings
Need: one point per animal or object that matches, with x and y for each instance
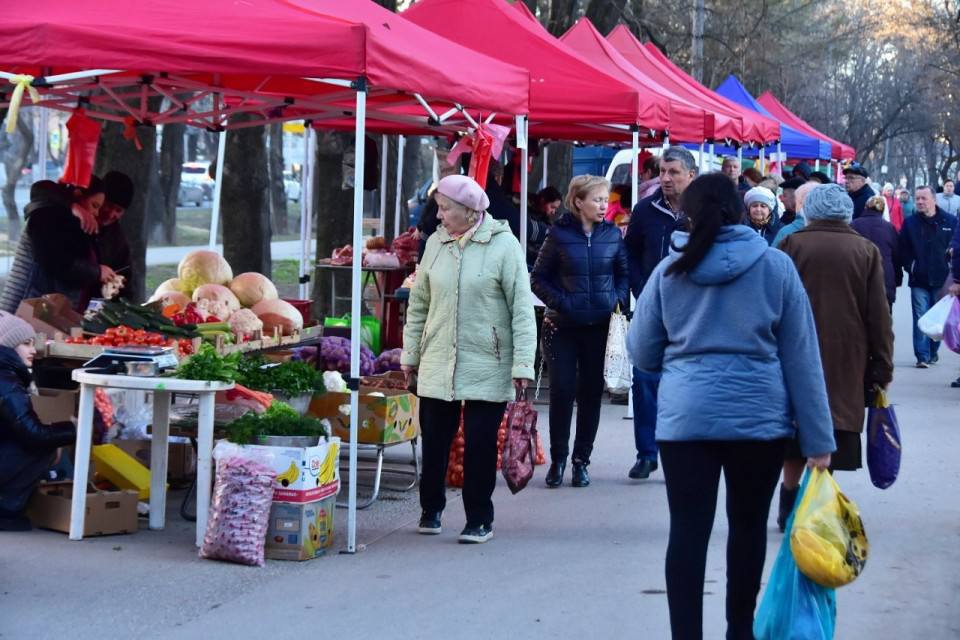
(692, 471)
(439, 421)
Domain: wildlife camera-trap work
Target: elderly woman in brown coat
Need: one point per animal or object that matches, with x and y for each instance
(843, 275)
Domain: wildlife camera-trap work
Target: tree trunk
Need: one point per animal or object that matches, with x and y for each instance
(17, 157)
(171, 165)
(334, 217)
(244, 213)
(560, 165)
(114, 153)
(277, 192)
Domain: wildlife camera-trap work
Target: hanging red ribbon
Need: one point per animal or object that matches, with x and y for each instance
(130, 132)
(84, 134)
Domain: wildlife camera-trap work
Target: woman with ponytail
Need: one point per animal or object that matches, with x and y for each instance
(726, 322)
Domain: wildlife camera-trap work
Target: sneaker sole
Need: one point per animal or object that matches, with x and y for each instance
(430, 531)
(475, 539)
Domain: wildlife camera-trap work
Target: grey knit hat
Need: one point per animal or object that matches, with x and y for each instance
(828, 202)
(14, 330)
(762, 195)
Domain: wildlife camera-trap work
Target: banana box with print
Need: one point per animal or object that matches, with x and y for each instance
(387, 416)
(301, 531)
(305, 474)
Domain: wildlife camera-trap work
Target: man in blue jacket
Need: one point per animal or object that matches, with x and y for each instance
(652, 222)
(924, 241)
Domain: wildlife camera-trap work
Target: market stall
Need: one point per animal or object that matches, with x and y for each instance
(275, 59)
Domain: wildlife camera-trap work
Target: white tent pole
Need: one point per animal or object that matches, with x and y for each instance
(217, 188)
(710, 157)
(780, 157)
(762, 160)
(401, 145)
(384, 156)
(634, 198)
(666, 142)
(546, 158)
(357, 274)
(522, 142)
(703, 168)
(816, 164)
(740, 157)
(306, 208)
(42, 140)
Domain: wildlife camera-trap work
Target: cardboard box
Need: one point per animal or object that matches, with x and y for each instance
(108, 512)
(49, 314)
(301, 531)
(55, 405)
(305, 474)
(387, 418)
(181, 460)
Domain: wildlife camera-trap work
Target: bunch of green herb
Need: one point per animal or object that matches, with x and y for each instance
(291, 378)
(279, 420)
(207, 364)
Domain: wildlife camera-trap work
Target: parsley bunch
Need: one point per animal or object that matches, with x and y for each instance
(207, 364)
(279, 420)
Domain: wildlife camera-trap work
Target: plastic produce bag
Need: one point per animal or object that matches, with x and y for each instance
(617, 371)
(520, 446)
(793, 606)
(883, 442)
(240, 509)
(369, 330)
(828, 541)
(951, 329)
(932, 322)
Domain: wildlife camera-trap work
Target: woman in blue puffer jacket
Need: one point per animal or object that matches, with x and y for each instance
(581, 275)
(721, 318)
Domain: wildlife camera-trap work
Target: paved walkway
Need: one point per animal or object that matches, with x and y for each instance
(566, 563)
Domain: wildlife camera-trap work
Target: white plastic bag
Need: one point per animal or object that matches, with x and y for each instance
(932, 322)
(240, 509)
(617, 371)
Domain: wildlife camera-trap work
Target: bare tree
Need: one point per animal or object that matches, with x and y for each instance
(277, 195)
(164, 228)
(17, 153)
(244, 210)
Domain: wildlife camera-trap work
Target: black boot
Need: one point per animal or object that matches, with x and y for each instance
(555, 474)
(580, 476)
(788, 497)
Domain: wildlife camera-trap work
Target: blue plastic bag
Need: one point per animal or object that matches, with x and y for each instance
(793, 606)
(883, 442)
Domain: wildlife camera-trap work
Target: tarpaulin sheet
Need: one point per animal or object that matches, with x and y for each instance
(838, 150)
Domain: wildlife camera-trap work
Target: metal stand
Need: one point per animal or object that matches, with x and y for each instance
(376, 465)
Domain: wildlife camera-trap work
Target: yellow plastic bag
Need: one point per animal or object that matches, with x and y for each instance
(828, 541)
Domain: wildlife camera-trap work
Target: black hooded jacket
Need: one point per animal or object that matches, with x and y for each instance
(18, 421)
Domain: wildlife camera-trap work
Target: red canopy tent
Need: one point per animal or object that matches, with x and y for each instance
(263, 56)
(565, 88)
(279, 59)
(688, 122)
(840, 151)
(727, 124)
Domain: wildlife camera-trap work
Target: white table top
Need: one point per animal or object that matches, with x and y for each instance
(175, 385)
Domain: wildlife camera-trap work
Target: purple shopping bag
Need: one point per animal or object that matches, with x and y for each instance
(883, 442)
(951, 330)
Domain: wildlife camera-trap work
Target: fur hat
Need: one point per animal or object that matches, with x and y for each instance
(828, 202)
(14, 330)
(761, 194)
(464, 190)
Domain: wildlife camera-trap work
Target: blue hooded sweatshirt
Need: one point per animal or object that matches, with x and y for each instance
(736, 345)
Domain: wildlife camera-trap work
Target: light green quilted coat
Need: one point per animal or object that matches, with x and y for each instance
(470, 324)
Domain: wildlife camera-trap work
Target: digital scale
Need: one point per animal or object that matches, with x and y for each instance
(114, 360)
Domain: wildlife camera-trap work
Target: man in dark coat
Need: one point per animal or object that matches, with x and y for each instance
(842, 273)
(874, 228)
(652, 223)
(924, 241)
(855, 180)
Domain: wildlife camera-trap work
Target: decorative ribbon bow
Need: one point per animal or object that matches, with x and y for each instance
(22, 83)
(130, 132)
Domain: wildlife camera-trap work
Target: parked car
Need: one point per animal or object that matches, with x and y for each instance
(190, 193)
(198, 173)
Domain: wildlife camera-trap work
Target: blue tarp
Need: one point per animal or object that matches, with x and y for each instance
(795, 144)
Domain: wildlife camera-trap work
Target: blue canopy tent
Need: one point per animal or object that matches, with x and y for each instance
(793, 143)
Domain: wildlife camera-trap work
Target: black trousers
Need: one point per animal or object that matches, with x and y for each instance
(576, 372)
(439, 421)
(692, 471)
(20, 473)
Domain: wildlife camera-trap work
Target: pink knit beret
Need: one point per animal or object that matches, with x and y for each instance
(464, 190)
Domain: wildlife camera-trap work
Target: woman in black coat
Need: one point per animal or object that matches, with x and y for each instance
(27, 446)
(581, 275)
